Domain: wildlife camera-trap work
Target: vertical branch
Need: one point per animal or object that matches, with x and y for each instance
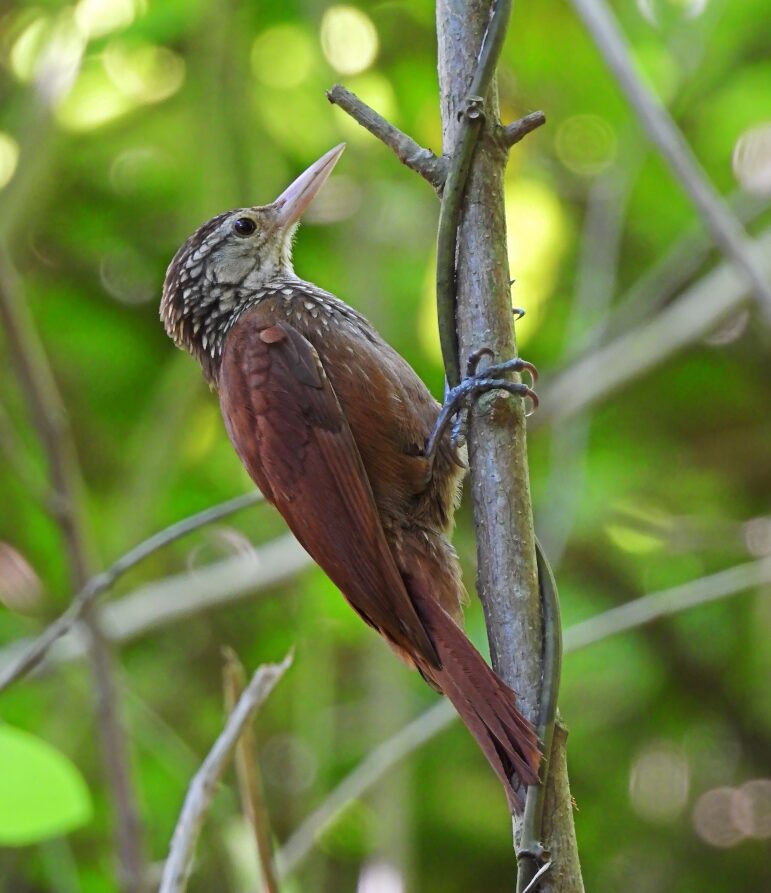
(507, 575)
(49, 418)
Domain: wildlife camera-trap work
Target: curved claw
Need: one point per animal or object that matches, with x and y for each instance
(518, 312)
(474, 360)
(516, 364)
(513, 387)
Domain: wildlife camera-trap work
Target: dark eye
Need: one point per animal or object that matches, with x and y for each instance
(244, 226)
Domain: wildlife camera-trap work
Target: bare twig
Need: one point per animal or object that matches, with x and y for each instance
(423, 161)
(249, 777)
(50, 420)
(726, 230)
(519, 129)
(422, 729)
(204, 784)
(105, 580)
(173, 599)
(697, 312)
(669, 601)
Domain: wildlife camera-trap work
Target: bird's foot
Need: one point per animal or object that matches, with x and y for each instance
(475, 383)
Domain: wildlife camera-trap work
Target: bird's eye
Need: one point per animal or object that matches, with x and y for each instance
(244, 226)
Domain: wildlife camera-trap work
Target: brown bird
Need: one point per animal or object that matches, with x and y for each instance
(334, 428)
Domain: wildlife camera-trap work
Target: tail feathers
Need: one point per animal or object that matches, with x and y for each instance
(484, 702)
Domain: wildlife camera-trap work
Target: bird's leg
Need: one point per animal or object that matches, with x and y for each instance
(455, 407)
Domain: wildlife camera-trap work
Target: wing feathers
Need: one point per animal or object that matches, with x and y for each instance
(288, 428)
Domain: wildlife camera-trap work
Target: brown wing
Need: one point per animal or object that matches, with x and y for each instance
(290, 432)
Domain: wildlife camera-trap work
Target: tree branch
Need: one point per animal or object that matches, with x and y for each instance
(433, 169)
(176, 598)
(204, 784)
(652, 607)
(725, 228)
(104, 581)
(463, 115)
(519, 129)
(472, 263)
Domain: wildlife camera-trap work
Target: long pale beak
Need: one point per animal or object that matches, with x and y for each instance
(294, 200)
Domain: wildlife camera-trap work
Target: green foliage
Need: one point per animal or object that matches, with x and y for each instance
(42, 794)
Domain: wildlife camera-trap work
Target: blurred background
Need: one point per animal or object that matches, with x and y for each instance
(126, 123)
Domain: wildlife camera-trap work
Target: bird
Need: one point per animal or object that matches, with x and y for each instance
(333, 426)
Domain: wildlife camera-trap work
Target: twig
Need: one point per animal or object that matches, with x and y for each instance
(726, 230)
(249, 777)
(173, 599)
(669, 601)
(432, 168)
(361, 779)
(204, 784)
(50, 420)
(695, 314)
(105, 580)
(425, 727)
(519, 129)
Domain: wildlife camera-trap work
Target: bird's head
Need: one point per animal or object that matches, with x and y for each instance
(229, 259)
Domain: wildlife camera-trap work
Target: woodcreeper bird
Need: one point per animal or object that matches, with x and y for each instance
(335, 428)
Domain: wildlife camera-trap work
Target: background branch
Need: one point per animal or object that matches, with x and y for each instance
(670, 273)
(670, 601)
(173, 599)
(105, 580)
(726, 230)
(204, 784)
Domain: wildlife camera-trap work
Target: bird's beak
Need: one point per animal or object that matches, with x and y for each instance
(294, 200)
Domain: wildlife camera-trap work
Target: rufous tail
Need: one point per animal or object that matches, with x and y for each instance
(484, 702)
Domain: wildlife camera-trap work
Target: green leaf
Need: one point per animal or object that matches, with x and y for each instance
(42, 794)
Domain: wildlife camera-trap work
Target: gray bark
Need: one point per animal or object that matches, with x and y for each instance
(507, 577)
